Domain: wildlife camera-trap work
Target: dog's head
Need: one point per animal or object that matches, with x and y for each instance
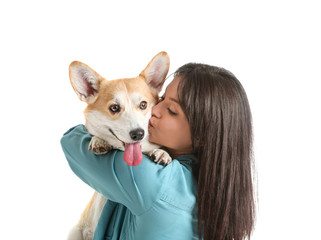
(118, 110)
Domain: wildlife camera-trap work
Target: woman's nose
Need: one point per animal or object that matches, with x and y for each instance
(156, 110)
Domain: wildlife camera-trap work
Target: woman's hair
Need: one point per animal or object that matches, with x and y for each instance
(219, 115)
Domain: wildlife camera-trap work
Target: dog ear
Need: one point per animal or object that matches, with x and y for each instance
(85, 81)
(156, 71)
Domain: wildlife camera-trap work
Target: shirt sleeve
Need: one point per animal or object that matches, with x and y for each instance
(136, 187)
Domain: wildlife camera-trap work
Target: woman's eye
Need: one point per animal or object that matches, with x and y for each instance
(143, 105)
(171, 112)
(115, 108)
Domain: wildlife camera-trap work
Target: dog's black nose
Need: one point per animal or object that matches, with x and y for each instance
(137, 134)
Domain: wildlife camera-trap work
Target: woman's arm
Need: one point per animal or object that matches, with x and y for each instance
(135, 187)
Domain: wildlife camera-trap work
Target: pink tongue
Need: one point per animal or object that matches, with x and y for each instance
(133, 154)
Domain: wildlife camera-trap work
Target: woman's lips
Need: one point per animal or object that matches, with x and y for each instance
(150, 125)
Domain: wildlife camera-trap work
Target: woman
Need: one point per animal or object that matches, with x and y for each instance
(204, 121)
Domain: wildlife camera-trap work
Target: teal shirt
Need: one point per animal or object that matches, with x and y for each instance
(145, 202)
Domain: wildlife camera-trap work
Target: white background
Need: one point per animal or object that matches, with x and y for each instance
(273, 47)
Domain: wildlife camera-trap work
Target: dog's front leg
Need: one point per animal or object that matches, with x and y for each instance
(160, 156)
(99, 146)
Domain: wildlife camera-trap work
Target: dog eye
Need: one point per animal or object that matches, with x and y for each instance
(143, 105)
(114, 108)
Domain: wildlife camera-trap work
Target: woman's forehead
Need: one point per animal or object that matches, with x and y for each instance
(172, 87)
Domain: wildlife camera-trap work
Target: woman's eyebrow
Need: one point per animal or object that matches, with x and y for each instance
(174, 100)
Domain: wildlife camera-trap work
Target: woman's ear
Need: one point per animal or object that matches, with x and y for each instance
(156, 71)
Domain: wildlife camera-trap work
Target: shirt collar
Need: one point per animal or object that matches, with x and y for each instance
(187, 159)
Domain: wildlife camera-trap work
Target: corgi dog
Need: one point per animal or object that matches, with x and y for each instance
(117, 115)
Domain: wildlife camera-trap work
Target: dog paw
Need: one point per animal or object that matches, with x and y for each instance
(160, 157)
(99, 146)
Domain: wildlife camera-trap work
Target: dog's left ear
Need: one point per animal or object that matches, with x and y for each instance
(156, 71)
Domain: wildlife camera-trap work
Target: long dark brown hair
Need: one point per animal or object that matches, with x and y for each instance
(219, 115)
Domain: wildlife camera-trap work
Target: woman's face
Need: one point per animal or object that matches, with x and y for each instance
(168, 125)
